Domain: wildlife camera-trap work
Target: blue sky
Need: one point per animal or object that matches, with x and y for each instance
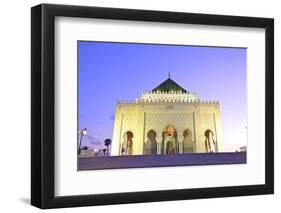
(109, 72)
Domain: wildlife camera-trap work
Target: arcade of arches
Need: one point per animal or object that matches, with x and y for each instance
(169, 142)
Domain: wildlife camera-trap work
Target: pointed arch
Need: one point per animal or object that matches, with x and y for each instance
(170, 140)
(188, 142)
(210, 143)
(127, 145)
(151, 143)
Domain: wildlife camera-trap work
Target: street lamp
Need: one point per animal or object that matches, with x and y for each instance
(82, 133)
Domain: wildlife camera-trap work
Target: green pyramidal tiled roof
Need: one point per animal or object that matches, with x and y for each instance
(169, 86)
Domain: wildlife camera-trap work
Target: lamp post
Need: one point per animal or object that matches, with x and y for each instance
(82, 133)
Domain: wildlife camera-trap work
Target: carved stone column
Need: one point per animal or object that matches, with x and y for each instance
(159, 143)
(180, 141)
(180, 144)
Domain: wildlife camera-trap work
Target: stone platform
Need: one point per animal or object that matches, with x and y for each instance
(144, 161)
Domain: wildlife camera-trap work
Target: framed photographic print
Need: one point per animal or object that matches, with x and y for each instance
(140, 106)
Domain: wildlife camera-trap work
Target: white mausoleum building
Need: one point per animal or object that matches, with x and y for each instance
(166, 120)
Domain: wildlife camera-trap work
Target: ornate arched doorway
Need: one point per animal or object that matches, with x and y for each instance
(151, 143)
(188, 143)
(170, 140)
(127, 145)
(210, 143)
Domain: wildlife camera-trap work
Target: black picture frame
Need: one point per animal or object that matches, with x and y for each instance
(43, 102)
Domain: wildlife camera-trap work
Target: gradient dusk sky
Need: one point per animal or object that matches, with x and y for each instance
(109, 72)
